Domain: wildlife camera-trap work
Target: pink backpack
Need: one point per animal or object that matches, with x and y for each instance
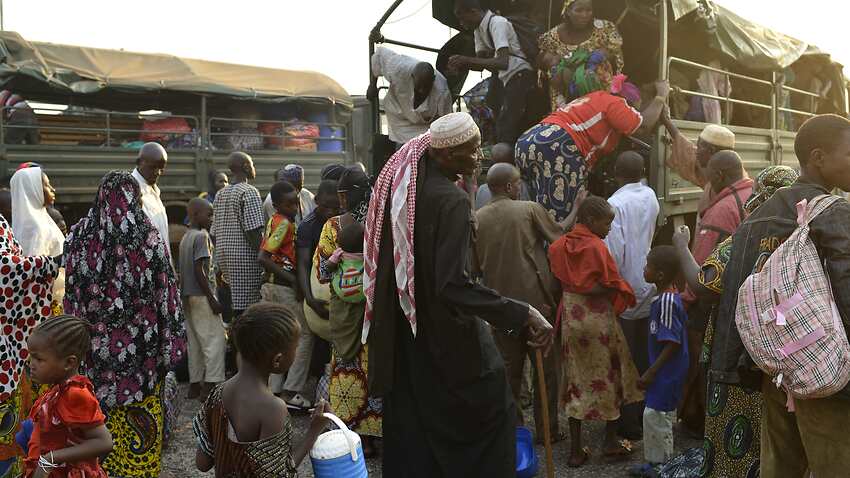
(788, 320)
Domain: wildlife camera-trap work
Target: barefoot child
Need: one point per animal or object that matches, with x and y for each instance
(243, 429)
(204, 327)
(69, 431)
(599, 376)
(668, 353)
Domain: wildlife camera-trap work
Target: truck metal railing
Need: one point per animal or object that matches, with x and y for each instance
(775, 86)
(278, 138)
(91, 129)
(814, 97)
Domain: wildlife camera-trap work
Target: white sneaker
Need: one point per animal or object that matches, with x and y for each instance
(299, 403)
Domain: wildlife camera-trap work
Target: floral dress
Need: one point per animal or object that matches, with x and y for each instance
(119, 278)
(604, 36)
(25, 283)
(599, 376)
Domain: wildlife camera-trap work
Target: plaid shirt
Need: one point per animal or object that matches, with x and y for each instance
(757, 237)
(238, 210)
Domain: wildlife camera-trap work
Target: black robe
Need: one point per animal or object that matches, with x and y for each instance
(448, 408)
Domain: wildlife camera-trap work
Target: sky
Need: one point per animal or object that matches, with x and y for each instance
(329, 36)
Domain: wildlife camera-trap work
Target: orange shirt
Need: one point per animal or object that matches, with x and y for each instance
(279, 241)
(596, 122)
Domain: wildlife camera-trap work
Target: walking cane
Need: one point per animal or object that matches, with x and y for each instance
(544, 405)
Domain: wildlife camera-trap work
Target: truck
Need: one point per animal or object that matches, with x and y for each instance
(676, 40)
(92, 108)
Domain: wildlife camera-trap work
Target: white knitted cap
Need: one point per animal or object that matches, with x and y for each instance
(453, 129)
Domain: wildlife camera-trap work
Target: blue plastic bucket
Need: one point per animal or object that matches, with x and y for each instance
(338, 453)
(526, 459)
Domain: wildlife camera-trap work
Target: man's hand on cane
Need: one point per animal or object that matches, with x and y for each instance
(540, 332)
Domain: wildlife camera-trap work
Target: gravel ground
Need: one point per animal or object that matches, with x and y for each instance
(179, 457)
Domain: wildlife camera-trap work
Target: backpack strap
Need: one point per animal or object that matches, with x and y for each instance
(807, 211)
(742, 214)
(493, 43)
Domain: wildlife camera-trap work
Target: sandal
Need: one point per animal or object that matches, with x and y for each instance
(623, 450)
(585, 455)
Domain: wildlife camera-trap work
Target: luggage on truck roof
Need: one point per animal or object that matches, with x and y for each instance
(76, 70)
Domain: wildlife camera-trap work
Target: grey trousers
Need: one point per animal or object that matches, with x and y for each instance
(296, 378)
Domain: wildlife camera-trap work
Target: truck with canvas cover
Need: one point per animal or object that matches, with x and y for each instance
(87, 110)
(775, 81)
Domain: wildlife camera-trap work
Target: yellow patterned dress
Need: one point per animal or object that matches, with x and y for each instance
(604, 36)
(349, 386)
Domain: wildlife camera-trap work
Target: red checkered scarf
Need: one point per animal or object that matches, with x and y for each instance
(398, 178)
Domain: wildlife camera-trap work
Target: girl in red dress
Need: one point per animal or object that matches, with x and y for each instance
(69, 433)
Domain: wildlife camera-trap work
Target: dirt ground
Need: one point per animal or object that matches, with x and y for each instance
(179, 457)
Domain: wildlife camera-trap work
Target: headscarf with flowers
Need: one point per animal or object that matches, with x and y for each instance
(119, 278)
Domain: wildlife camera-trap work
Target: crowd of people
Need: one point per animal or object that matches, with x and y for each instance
(409, 303)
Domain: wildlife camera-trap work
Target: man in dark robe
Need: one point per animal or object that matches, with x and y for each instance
(448, 408)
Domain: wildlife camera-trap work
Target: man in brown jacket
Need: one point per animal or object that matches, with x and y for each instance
(510, 257)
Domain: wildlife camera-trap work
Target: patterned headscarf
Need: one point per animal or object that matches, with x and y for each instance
(293, 173)
(567, 5)
(396, 182)
(625, 89)
(119, 278)
(767, 182)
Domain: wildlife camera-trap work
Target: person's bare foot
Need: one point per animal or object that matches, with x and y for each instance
(577, 460)
(194, 391)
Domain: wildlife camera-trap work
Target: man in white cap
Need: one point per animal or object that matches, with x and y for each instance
(447, 404)
(690, 160)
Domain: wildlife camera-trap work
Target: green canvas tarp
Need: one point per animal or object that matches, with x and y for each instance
(75, 70)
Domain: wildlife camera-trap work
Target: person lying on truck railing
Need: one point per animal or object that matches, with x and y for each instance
(499, 50)
(583, 131)
(418, 94)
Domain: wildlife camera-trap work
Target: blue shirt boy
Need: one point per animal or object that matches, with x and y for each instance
(667, 324)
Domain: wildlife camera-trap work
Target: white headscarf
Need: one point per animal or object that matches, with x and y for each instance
(32, 225)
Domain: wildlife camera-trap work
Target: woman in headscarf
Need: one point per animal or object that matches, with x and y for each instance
(34, 229)
(731, 444)
(349, 387)
(119, 278)
(26, 282)
(557, 155)
(580, 30)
